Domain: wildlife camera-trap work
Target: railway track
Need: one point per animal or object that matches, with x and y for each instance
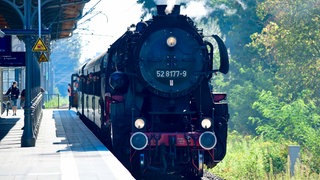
(206, 176)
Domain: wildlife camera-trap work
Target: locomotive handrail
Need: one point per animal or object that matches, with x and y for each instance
(161, 112)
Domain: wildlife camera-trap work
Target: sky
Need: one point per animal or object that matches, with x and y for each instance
(106, 23)
(109, 19)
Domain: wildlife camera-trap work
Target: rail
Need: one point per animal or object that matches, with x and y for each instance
(36, 113)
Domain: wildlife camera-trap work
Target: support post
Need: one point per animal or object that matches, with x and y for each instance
(294, 152)
(28, 138)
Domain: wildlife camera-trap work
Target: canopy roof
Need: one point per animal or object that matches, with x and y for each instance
(59, 17)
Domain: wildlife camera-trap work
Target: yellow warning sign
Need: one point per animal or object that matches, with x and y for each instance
(39, 46)
(43, 58)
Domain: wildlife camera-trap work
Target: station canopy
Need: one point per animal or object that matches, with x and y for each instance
(59, 17)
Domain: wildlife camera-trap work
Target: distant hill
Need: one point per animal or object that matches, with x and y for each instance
(65, 55)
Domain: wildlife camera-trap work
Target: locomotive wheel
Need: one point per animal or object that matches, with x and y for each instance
(120, 133)
(120, 144)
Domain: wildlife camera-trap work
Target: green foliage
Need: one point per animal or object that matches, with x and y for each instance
(237, 21)
(256, 158)
(279, 77)
(241, 94)
(55, 101)
(51, 100)
(250, 158)
(290, 43)
(296, 121)
(289, 46)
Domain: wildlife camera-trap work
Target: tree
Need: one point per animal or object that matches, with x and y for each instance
(291, 45)
(288, 48)
(65, 55)
(295, 121)
(237, 21)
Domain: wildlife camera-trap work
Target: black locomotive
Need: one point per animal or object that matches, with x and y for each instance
(150, 100)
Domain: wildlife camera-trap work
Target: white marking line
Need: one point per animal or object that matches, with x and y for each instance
(118, 170)
(68, 166)
(44, 174)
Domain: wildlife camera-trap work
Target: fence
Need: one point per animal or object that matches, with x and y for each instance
(51, 101)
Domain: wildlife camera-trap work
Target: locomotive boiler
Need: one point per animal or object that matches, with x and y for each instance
(149, 97)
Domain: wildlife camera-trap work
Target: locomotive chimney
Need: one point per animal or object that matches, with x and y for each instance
(167, 7)
(163, 10)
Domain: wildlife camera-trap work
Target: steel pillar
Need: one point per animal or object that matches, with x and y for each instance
(28, 138)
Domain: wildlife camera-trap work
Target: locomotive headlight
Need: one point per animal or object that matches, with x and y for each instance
(171, 41)
(206, 123)
(139, 123)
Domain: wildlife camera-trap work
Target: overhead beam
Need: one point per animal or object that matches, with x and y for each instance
(24, 31)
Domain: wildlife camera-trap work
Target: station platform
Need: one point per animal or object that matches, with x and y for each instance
(65, 150)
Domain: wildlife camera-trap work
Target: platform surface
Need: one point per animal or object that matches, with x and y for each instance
(65, 150)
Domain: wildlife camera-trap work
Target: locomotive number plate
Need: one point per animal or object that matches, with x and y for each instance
(171, 73)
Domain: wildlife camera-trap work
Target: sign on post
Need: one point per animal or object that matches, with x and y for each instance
(39, 46)
(43, 58)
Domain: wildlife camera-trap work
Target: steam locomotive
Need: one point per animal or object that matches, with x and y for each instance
(149, 97)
